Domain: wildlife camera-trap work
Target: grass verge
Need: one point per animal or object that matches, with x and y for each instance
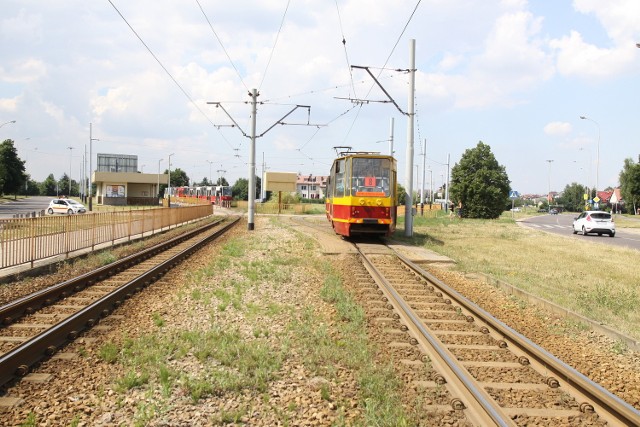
(593, 279)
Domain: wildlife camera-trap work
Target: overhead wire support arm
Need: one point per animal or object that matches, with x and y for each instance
(280, 121)
(217, 104)
(380, 86)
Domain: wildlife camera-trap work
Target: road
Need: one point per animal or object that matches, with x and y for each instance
(562, 224)
(24, 206)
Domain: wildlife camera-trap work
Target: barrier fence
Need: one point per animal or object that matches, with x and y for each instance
(27, 240)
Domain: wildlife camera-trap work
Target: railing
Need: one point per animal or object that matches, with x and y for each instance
(27, 240)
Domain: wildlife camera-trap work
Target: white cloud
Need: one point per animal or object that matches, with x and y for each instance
(558, 128)
(620, 19)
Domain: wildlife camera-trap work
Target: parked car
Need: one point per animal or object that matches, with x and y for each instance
(594, 222)
(515, 209)
(553, 211)
(65, 206)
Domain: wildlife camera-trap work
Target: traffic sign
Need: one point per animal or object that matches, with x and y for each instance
(513, 194)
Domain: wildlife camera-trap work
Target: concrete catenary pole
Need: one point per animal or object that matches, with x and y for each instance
(391, 125)
(408, 199)
(252, 161)
(424, 171)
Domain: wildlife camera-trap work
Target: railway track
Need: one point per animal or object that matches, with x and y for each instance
(35, 327)
(476, 368)
(483, 369)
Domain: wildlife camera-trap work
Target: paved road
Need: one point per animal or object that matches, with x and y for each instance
(562, 224)
(24, 206)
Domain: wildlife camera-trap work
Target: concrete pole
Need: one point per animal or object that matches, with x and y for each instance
(408, 200)
(424, 171)
(252, 161)
(391, 137)
(446, 197)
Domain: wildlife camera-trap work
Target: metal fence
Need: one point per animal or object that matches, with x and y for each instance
(27, 240)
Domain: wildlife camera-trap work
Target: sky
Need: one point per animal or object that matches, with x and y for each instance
(160, 78)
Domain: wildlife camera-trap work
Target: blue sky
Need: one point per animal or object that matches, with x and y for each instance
(514, 74)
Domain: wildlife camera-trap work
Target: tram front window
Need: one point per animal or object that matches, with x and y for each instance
(370, 177)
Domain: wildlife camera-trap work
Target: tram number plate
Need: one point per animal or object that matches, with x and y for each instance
(370, 181)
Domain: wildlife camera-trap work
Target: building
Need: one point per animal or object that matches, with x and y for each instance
(311, 187)
(119, 183)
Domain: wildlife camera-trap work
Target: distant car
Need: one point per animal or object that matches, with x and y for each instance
(553, 211)
(515, 210)
(65, 206)
(594, 222)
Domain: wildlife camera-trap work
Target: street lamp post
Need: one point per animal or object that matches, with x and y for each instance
(70, 151)
(210, 163)
(6, 123)
(597, 152)
(549, 193)
(169, 183)
(91, 167)
(158, 185)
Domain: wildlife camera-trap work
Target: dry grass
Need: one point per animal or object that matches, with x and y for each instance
(593, 279)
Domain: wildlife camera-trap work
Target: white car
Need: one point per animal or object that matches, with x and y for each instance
(594, 222)
(65, 206)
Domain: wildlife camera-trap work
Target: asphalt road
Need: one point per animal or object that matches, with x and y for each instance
(562, 224)
(24, 206)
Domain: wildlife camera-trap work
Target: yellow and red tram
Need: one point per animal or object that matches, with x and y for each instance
(361, 194)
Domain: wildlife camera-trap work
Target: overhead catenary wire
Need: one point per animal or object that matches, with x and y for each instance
(264, 75)
(346, 53)
(221, 45)
(165, 69)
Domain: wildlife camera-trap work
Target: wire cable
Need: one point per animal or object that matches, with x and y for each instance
(264, 75)
(346, 54)
(166, 70)
(222, 45)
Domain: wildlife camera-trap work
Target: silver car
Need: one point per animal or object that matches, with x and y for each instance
(594, 222)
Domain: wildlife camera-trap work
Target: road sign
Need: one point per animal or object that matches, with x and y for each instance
(596, 199)
(513, 194)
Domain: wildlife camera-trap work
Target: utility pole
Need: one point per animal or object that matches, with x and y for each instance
(70, 151)
(91, 139)
(391, 126)
(424, 171)
(252, 151)
(408, 200)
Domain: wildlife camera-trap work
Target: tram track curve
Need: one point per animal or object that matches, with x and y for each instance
(59, 314)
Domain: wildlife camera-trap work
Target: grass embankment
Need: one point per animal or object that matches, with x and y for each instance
(588, 277)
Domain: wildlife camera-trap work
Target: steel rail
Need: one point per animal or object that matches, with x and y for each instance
(481, 408)
(29, 303)
(608, 406)
(17, 362)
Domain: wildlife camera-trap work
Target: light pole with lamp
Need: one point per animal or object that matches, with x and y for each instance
(597, 152)
(158, 185)
(549, 193)
(91, 139)
(169, 183)
(70, 151)
(210, 163)
(6, 123)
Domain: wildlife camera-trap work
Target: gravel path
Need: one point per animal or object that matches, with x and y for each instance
(254, 293)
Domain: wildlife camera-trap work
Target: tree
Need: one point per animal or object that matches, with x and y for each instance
(222, 181)
(240, 189)
(12, 171)
(48, 186)
(479, 183)
(573, 197)
(179, 178)
(630, 184)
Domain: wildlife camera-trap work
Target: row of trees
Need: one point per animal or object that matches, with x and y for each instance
(14, 179)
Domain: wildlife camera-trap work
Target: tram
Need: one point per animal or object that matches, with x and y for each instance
(362, 195)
